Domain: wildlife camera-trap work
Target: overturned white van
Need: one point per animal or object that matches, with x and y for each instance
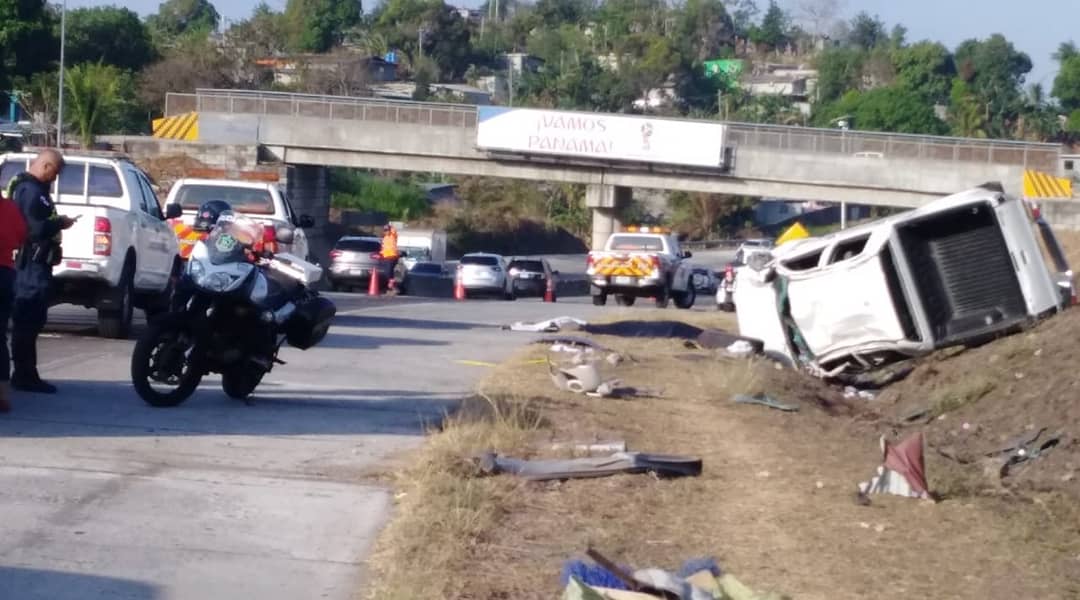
(959, 270)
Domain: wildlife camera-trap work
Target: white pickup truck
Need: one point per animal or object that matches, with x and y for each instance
(957, 271)
(120, 254)
(641, 263)
(260, 200)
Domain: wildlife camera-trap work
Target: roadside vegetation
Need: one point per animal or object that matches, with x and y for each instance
(775, 504)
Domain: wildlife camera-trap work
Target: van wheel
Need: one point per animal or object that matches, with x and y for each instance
(625, 300)
(599, 299)
(115, 323)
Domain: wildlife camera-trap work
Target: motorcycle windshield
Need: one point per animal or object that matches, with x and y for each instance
(231, 238)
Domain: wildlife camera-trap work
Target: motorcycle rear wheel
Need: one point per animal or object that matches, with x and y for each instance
(160, 337)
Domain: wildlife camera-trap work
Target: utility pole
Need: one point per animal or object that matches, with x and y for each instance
(60, 102)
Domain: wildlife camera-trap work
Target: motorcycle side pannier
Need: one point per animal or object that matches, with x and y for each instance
(309, 324)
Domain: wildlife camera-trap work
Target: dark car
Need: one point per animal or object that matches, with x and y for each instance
(422, 276)
(353, 259)
(531, 276)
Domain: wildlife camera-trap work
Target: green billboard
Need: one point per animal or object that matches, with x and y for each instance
(726, 69)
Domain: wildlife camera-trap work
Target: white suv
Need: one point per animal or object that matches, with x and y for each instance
(483, 273)
(121, 253)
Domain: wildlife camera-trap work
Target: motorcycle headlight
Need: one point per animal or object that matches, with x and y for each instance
(219, 281)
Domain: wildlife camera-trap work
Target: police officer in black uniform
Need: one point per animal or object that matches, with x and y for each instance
(33, 267)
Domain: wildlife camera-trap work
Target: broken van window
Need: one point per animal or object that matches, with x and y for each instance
(804, 263)
(849, 249)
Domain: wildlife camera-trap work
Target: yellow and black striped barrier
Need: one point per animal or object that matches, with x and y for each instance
(183, 127)
(1041, 186)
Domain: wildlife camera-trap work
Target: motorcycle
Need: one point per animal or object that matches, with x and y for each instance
(235, 308)
(725, 292)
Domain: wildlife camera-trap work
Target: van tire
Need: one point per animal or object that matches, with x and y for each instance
(116, 323)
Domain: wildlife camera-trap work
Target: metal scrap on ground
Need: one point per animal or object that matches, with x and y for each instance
(583, 468)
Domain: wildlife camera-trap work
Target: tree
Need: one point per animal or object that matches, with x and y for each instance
(966, 114)
(1066, 51)
(94, 96)
(446, 41)
(1038, 120)
(867, 32)
(839, 70)
(113, 35)
(1067, 83)
(318, 25)
(261, 35)
(742, 14)
(178, 17)
(554, 13)
(994, 69)
(338, 73)
(890, 109)
(820, 15)
(926, 68)
(193, 63)
(422, 81)
(27, 43)
(704, 30)
(774, 27)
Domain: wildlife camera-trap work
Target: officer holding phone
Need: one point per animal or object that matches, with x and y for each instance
(34, 265)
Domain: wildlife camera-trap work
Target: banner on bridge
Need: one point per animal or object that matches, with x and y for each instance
(601, 136)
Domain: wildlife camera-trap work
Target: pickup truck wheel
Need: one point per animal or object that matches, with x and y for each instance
(625, 300)
(599, 299)
(685, 300)
(115, 323)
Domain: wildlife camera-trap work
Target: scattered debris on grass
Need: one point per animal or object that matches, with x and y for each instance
(618, 463)
(765, 400)
(903, 470)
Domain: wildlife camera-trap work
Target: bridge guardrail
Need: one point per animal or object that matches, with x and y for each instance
(867, 145)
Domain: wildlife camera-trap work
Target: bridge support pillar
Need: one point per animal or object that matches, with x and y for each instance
(606, 202)
(309, 194)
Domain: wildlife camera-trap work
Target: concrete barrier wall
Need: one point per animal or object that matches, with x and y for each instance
(1062, 214)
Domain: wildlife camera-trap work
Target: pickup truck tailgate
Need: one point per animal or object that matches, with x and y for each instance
(623, 265)
(78, 241)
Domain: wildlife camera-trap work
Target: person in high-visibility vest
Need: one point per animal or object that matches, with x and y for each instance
(389, 251)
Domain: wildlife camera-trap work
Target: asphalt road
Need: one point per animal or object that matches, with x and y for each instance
(102, 496)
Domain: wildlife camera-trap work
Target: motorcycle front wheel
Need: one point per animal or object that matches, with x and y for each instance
(239, 383)
(162, 368)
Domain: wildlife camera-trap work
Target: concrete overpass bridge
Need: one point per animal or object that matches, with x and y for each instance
(760, 160)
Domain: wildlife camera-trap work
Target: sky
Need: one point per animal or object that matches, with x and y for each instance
(1036, 27)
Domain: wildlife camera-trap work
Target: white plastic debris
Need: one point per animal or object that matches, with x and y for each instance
(740, 349)
(549, 326)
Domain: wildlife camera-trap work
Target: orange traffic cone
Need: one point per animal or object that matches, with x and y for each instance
(373, 288)
(549, 292)
(459, 288)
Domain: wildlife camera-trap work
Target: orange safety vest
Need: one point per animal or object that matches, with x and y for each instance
(187, 237)
(389, 245)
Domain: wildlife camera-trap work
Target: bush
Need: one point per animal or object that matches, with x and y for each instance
(351, 190)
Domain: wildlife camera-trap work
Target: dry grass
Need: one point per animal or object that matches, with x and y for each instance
(774, 505)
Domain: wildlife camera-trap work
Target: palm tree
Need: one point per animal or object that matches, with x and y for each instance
(1066, 51)
(93, 91)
